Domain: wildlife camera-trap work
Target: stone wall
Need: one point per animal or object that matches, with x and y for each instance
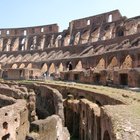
(83, 119)
(50, 128)
(107, 41)
(23, 105)
(14, 121)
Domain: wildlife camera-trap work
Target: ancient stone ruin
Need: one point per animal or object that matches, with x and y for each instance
(85, 64)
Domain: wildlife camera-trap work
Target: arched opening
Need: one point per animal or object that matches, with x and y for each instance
(15, 44)
(107, 32)
(95, 33)
(101, 64)
(8, 45)
(44, 68)
(127, 62)
(77, 38)
(22, 44)
(85, 37)
(22, 65)
(61, 68)
(79, 66)
(113, 63)
(96, 78)
(69, 66)
(23, 41)
(58, 41)
(67, 40)
(106, 136)
(14, 66)
(21, 73)
(123, 79)
(32, 43)
(29, 66)
(110, 18)
(119, 32)
(52, 69)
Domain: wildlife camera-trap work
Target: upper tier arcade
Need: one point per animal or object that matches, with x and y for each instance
(27, 31)
(96, 20)
(84, 31)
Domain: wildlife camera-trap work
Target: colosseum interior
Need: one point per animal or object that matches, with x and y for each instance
(79, 84)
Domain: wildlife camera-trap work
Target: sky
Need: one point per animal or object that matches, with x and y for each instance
(26, 13)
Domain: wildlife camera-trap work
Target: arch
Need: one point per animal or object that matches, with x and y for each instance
(14, 66)
(107, 32)
(23, 41)
(22, 44)
(31, 45)
(52, 68)
(95, 33)
(85, 36)
(22, 65)
(8, 45)
(29, 66)
(44, 68)
(61, 67)
(113, 63)
(79, 66)
(40, 42)
(119, 31)
(127, 62)
(130, 27)
(5, 41)
(14, 44)
(106, 136)
(58, 41)
(77, 38)
(101, 64)
(69, 65)
(67, 40)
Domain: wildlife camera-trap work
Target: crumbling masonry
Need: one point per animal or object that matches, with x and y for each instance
(101, 51)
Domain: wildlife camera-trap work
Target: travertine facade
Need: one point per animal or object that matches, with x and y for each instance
(106, 44)
(101, 50)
